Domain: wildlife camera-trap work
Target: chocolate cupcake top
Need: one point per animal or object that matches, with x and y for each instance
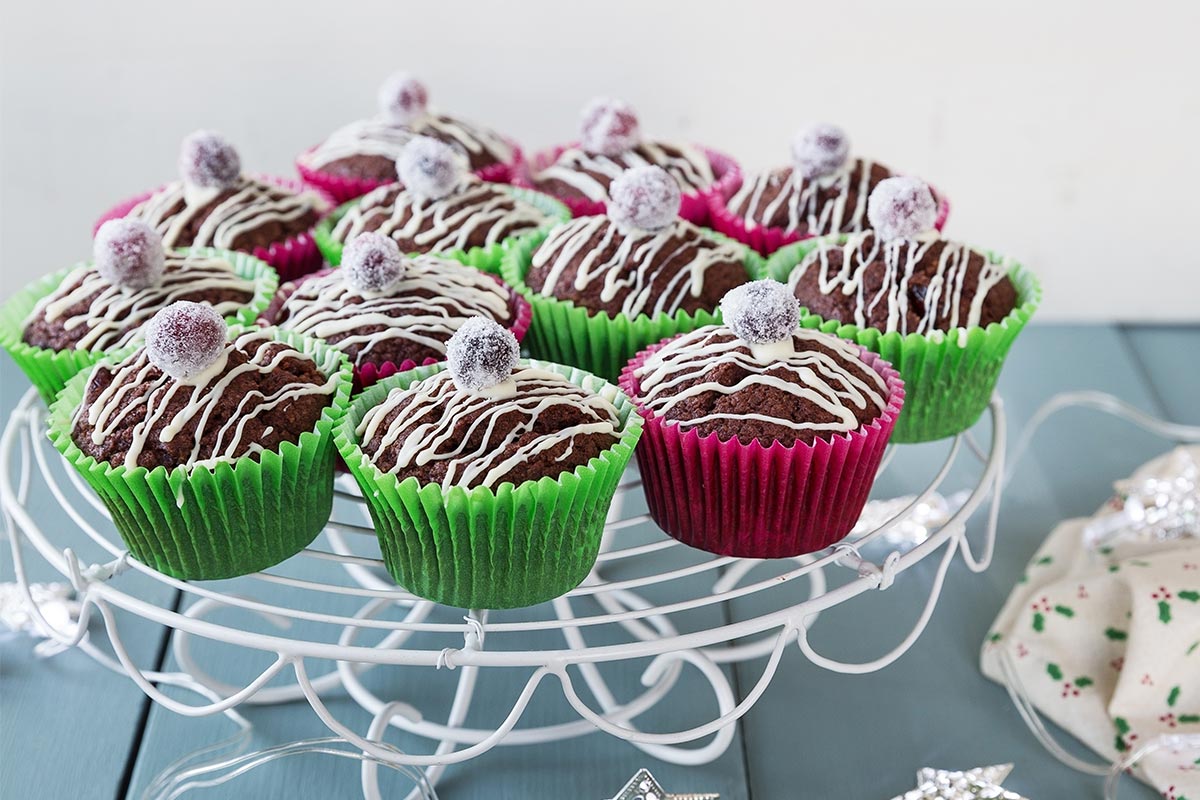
(760, 377)
(487, 420)
(438, 206)
(901, 276)
(189, 397)
(368, 149)
(639, 259)
(381, 306)
(610, 143)
(103, 305)
(215, 205)
(823, 191)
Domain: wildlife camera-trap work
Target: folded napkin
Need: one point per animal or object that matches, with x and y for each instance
(1102, 632)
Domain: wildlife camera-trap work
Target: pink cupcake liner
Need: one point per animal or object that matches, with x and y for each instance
(343, 189)
(293, 257)
(694, 207)
(368, 374)
(754, 501)
(767, 240)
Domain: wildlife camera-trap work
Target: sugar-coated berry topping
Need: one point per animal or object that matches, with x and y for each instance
(129, 253)
(609, 127)
(428, 168)
(901, 208)
(402, 98)
(372, 262)
(820, 150)
(208, 160)
(185, 338)
(761, 312)
(481, 353)
(645, 197)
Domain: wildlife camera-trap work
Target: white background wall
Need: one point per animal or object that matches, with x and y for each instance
(1065, 133)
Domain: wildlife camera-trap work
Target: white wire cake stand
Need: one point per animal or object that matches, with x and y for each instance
(340, 611)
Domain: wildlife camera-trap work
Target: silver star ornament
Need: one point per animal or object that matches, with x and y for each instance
(643, 786)
(981, 783)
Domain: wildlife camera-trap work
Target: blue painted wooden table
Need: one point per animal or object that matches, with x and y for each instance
(69, 728)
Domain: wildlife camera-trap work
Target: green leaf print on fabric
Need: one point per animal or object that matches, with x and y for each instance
(1054, 671)
(1116, 635)
(1190, 595)
(1173, 696)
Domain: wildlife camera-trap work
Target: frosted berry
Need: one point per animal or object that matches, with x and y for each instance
(208, 160)
(402, 98)
(185, 338)
(820, 150)
(761, 312)
(372, 262)
(609, 127)
(480, 354)
(901, 208)
(646, 197)
(129, 253)
(428, 168)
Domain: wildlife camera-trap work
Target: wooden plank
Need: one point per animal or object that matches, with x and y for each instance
(595, 765)
(1170, 356)
(820, 734)
(69, 724)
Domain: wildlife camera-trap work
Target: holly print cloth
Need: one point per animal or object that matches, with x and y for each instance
(1106, 643)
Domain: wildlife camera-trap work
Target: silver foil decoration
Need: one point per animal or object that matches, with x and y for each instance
(57, 604)
(1163, 507)
(643, 786)
(981, 783)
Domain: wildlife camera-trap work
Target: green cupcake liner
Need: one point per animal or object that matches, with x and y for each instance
(49, 370)
(483, 258)
(948, 378)
(569, 334)
(230, 519)
(507, 547)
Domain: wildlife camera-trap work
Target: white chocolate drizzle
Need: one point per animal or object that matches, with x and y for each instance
(901, 258)
(435, 406)
(252, 204)
(444, 224)
(432, 299)
(139, 391)
(825, 379)
(636, 265)
(114, 315)
(591, 173)
(377, 137)
(803, 200)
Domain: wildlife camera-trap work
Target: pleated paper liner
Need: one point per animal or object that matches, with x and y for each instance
(949, 377)
(368, 373)
(766, 240)
(49, 370)
(755, 501)
(230, 519)
(507, 547)
(485, 258)
(343, 188)
(727, 176)
(569, 334)
(295, 256)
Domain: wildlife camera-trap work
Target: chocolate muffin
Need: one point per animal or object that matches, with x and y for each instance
(382, 307)
(822, 192)
(640, 259)
(103, 305)
(900, 276)
(215, 205)
(368, 149)
(760, 377)
(909, 286)
(190, 397)
(611, 143)
(487, 420)
(439, 206)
